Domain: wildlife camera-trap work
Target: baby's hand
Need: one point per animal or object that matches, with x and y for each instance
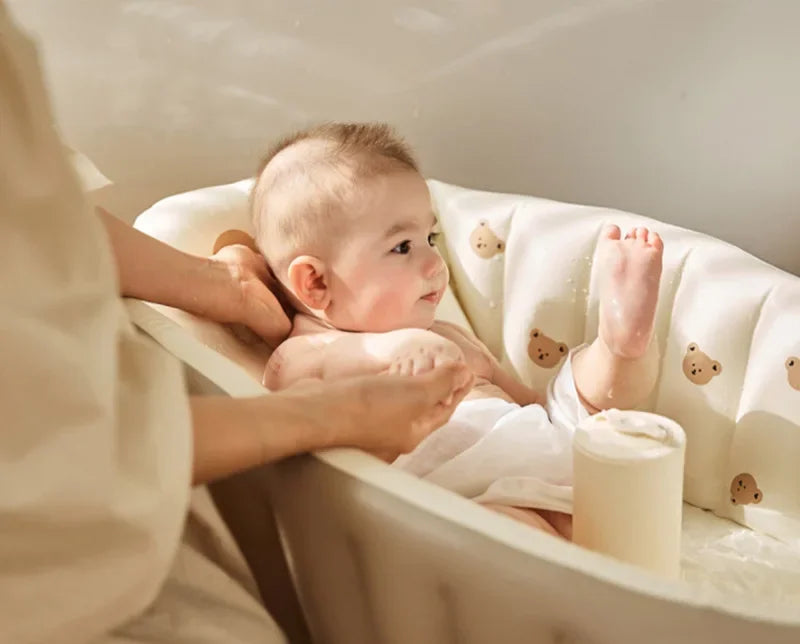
(427, 352)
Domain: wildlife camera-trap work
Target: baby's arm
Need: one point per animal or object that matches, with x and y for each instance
(520, 393)
(338, 354)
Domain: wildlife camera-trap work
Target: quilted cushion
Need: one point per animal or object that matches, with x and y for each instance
(728, 327)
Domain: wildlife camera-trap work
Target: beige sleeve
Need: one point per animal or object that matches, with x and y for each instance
(95, 450)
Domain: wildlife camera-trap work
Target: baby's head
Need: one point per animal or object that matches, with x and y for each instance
(345, 221)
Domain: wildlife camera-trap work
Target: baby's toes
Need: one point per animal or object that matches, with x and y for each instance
(611, 232)
(641, 233)
(654, 241)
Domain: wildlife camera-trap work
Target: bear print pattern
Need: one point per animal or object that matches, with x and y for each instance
(698, 367)
(744, 490)
(545, 351)
(484, 242)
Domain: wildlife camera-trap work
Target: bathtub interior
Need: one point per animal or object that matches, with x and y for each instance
(722, 560)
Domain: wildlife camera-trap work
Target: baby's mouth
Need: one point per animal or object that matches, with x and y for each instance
(433, 296)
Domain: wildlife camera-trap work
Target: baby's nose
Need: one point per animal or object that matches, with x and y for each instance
(433, 265)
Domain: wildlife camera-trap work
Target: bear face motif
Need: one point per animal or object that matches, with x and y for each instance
(484, 242)
(698, 367)
(793, 372)
(744, 490)
(545, 351)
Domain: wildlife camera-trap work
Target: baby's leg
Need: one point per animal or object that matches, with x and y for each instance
(554, 523)
(619, 368)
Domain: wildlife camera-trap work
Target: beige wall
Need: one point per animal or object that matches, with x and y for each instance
(685, 110)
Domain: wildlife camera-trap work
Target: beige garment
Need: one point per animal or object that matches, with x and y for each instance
(95, 444)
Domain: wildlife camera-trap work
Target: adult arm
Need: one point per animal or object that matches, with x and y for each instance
(231, 286)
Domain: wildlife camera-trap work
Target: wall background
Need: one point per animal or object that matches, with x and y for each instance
(683, 110)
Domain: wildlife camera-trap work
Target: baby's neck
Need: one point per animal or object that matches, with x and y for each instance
(306, 323)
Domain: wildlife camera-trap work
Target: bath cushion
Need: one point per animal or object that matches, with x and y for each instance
(728, 328)
(522, 271)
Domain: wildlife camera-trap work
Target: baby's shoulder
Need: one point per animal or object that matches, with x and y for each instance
(306, 341)
(300, 354)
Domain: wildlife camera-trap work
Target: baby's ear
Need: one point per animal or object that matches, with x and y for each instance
(308, 280)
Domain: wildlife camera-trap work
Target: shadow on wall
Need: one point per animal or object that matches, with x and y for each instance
(650, 106)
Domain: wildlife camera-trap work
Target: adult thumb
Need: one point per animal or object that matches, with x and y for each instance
(269, 320)
(447, 384)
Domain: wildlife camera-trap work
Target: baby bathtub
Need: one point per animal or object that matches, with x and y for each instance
(379, 556)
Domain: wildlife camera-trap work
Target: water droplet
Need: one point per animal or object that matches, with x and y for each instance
(492, 305)
(297, 23)
(415, 112)
(570, 281)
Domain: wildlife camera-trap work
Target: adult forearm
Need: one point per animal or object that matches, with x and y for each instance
(235, 434)
(154, 271)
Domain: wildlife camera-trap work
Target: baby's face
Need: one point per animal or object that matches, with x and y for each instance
(388, 274)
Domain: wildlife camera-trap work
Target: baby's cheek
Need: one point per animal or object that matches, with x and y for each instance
(388, 307)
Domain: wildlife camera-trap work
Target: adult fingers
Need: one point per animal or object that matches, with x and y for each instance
(446, 384)
(268, 319)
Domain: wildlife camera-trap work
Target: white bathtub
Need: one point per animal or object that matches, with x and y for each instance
(379, 556)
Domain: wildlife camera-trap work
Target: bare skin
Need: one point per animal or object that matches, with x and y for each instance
(367, 304)
(399, 410)
(619, 368)
(385, 415)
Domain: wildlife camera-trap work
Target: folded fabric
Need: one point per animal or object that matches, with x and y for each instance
(494, 451)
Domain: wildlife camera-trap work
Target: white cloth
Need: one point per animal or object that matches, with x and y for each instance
(494, 451)
(95, 449)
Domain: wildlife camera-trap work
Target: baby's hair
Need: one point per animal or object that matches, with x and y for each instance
(306, 179)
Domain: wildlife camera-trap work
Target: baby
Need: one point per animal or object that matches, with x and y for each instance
(345, 220)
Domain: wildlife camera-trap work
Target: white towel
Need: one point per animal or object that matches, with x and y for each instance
(494, 451)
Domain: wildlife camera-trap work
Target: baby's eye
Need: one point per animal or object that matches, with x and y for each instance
(432, 238)
(403, 248)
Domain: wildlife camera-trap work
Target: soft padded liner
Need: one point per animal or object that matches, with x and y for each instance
(719, 556)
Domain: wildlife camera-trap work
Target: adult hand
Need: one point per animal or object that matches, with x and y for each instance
(232, 286)
(387, 415)
(247, 294)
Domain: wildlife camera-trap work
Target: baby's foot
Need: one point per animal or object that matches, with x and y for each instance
(630, 274)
